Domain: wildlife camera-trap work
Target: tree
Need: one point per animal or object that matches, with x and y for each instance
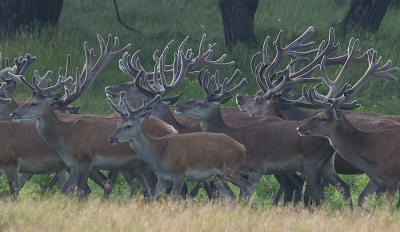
(365, 14)
(17, 15)
(237, 19)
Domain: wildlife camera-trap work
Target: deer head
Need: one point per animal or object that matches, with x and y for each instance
(204, 107)
(327, 122)
(43, 98)
(129, 125)
(131, 66)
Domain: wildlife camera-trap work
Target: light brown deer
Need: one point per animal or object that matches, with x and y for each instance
(272, 147)
(374, 152)
(177, 158)
(79, 141)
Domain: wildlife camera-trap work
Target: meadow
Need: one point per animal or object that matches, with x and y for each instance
(160, 21)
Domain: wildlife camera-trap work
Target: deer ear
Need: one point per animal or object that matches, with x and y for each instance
(171, 100)
(145, 115)
(222, 101)
(73, 110)
(11, 88)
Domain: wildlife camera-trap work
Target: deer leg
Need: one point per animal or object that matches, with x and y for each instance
(391, 187)
(196, 188)
(160, 187)
(298, 182)
(288, 189)
(246, 186)
(224, 189)
(83, 171)
(329, 174)
(108, 186)
(147, 178)
(371, 187)
(313, 184)
(179, 182)
(61, 178)
(69, 187)
(210, 186)
(11, 173)
(278, 195)
(379, 193)
(23, 179)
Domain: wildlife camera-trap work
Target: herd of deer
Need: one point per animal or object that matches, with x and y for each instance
(198, 141)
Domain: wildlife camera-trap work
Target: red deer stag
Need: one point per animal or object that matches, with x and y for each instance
(374, 152)
(272, 147)
(79, 141)
(177, 158)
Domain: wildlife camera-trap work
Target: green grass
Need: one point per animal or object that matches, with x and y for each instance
(162, 20)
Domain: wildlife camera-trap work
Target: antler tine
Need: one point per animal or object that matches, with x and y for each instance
(3, 98)
(144, 107)
(310, 98)
(41, 81)
(24, 63)
(373, 71)
(204, 58)
(140, 81)
(90, 72)
(224, 93)
(118, 108)
(49, 90)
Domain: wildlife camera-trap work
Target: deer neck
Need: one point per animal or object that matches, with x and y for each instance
(145, 146)
(296, 114)
(349, 142)
(51, 128)
(214, 122)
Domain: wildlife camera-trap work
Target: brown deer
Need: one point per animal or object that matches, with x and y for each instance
(177, 158)
(79, 141)
(145, 85)
(373, 152)
(272, 147)
(271, 99)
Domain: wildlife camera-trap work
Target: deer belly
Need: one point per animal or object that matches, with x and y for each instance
(201, 175)
(41, 166)
(286, 166)
(114, 163)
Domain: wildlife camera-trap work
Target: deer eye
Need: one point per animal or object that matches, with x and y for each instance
(324, 119)
(200, 104)
(34, 104)
(129, 126)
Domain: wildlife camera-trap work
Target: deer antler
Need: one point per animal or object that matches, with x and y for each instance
(333, 101)
(89, 73)
(265, 72)
(127, 110)
(220, 92)
(180, 69)
(131, 66)
(3, 97)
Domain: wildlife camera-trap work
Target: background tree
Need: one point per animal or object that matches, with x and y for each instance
(365, 14)
(237, 19)
(16, 15)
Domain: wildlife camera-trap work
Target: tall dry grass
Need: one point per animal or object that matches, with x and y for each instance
(56, 214)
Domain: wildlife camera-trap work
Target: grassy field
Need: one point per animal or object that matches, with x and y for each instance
(160, 21)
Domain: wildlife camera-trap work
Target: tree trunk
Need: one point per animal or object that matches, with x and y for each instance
(237, 19)
(17, 15)
(365, 14)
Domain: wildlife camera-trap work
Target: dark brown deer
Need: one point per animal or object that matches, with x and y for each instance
(272, 147)
(374, 152)
(271, 99)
